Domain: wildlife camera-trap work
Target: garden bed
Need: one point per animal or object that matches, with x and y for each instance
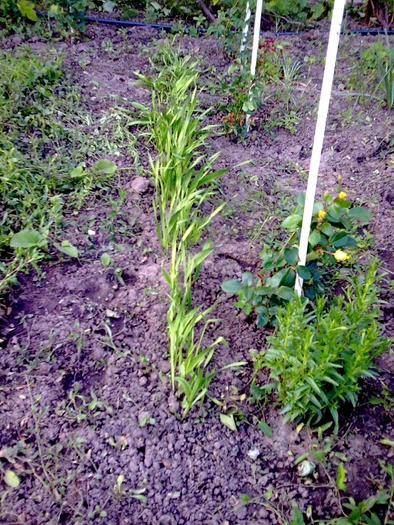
(88, 420)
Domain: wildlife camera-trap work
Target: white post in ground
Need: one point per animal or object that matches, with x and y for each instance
(246, 28)
(332, 50)
(256, 38)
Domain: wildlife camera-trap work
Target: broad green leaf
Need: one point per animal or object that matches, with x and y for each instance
(247, 279)
(285, 293)
(67, 248)
(345, 240)
(264, 427)
(303, 272)
(27, 9)
(297, 517)
(106, 166)
(262, 319)
(77, 172)
(11, 479)
(54, 9)
(314, 238)
(277, 278)
(292, 222)
(106, 259)
(27, 239)
(333, 213)
(360, 213)
(231, 286)
(317, 10)
(228, 421)
(301, 199)
(291, 256)
(327, 229)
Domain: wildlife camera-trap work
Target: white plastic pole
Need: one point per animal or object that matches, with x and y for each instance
(332, 50)
(246, 28)
(256, 39)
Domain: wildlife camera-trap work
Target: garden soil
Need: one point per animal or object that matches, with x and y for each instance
(88, 419)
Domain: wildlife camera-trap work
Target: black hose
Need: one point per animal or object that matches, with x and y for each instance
(168, 27)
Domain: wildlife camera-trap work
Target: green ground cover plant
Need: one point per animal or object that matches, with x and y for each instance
(35, 178)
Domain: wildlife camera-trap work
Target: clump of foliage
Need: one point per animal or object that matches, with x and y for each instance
(183, 179)
(319, 352)
(333, 229)
(379, 59)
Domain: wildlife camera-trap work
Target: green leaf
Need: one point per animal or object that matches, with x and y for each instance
(317, 10)
(11, 479)
(345, 240)
(303, 272)
(284, 292)
(314, 238)
(292, 222)
(231, 286)
(291, 256)
(247, 279)
(27, 9)
(297, 517)
(341, 475)
(360, 213)
(277, 278)
(106, 166)
(264, 427)
(105, 259)
(27, 239)
(228, 421)
(301, 198)
(77, 172)
(262, 319)
(67, 248)
(327, 229)
(387, 442)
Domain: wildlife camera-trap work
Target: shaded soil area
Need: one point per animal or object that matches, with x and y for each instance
(88, 420)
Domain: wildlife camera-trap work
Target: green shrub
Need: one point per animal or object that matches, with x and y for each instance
(333, 229)
(317, 356)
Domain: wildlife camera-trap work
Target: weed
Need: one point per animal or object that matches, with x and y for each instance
(35, 133)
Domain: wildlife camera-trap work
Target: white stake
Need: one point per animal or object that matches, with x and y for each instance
(256, 39)
(332, 50)
(246, 28)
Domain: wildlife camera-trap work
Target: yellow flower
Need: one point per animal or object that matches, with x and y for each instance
(341, 195)
(321, 214)
(340, 255)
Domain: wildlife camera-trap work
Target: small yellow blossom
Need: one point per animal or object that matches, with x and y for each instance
(341, 195)
(321, 214)
(340, 255)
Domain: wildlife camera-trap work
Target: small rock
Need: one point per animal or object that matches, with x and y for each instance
(173, 404)
(140, 184)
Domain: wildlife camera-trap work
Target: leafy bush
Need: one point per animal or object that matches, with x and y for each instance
(332, 230)
(316, 357)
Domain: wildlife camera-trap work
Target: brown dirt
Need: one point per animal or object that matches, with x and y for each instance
(77, 332)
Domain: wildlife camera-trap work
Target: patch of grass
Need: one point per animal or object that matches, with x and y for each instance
(40, 150)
